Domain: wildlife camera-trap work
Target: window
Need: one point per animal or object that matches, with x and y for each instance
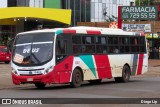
(142, 40)
(124, 40)
(113, 40)
(100, 40)
(102, 49)
(142, 44)
(76, 39)
(137, 44)
(83, 44)
(3, 50)
(88, 40)
(113, 45)
(124, 49)
(124, 44)
(77, 49)
(12, 3)
(134, 44)
(134, 40)
(61, 47)
(87, 49)
(88, 44)
(113, 49)
(101, 45)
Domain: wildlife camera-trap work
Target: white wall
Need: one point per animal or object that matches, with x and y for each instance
(3, 3)
(98, 7)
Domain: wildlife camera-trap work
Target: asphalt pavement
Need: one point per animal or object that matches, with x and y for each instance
(143, 86)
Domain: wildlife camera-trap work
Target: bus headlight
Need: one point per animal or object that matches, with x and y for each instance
(49, 69)
(14, 71)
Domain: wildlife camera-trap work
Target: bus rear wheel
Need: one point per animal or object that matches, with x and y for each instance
(76, 78)
(40, 85)
(125, 75)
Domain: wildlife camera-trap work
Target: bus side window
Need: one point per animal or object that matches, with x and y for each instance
(61, 47)
(61, 50)
(134, 44)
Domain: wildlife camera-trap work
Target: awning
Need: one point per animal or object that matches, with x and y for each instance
(59, 15)
(7, 22)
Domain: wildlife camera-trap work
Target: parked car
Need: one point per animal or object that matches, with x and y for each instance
(5, 54)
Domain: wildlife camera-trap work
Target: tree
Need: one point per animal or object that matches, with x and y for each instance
(144, 2)
(109, 18)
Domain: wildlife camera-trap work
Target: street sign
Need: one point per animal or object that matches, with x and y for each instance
(137, 27)
(139, 12)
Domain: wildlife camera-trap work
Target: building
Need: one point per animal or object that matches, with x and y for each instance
(94, 10)
(107, 10)
(25, 15)
(82, 11)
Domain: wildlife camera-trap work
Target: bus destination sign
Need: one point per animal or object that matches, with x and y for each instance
(139, 12)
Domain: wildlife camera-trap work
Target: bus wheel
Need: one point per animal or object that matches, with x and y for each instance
(125, 75)
(95, 81)
(40, 85)
(76, 78)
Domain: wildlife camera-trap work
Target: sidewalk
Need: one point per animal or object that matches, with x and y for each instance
(154, 62)
(153, 68)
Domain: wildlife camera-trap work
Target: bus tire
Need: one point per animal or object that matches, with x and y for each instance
(95, 81)
(40, 85)
(76, 78)
(125, 75)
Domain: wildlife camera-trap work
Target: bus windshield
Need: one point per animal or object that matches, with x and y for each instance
(33, 49)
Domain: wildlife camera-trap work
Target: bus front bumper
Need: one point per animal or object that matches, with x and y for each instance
(46, 79)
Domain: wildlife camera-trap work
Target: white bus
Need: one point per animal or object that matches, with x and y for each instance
(76, 54)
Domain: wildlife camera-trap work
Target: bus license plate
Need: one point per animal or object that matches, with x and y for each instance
(29, 79)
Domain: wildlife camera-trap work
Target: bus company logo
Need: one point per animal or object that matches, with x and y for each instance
(21, 101)
(6, 101)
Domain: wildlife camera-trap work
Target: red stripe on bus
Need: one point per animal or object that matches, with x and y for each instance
(63, 70)
(93, 32)
(103, 66)
(140, 64)
(69, 31)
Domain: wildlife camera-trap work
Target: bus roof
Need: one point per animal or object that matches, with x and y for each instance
(86, 30)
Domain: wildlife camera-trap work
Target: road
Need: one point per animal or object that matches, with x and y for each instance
(137, 87)
(146, 86)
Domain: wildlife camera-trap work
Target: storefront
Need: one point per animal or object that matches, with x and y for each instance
(7, 31)
(153, 45)
(19, 19)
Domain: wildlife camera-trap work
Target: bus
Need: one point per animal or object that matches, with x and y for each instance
(76, 54)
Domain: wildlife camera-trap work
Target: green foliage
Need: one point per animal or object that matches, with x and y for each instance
(144, 2)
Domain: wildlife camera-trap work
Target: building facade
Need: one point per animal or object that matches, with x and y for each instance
(107, 10)
(82, 11)
(10, 27)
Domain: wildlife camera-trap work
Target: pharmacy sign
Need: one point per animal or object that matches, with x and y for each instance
(139, 12)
